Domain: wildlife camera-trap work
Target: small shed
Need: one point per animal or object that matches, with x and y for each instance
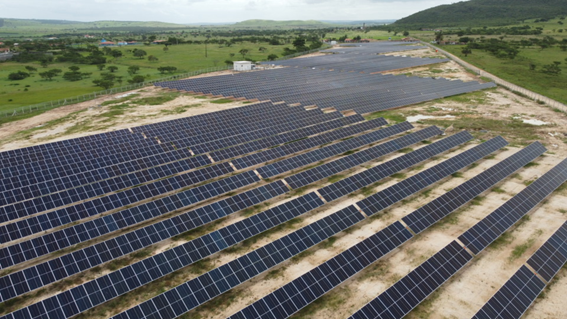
(242, 66)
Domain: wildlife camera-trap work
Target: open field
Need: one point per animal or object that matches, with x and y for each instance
(186, 57)
(485, 114)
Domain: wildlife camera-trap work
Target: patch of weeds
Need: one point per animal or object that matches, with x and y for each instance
(498, 190)
(336, 178)
(517, 176)
(201, 266)
(477, 201)
(528, 183)
(120, 100)
(457, 175)
(222, 101)
(427, 193)
(519, 250)
(502, 241)
(426, 142)
(531, 164)
(489, 157)
(156, 100)
(398, 175)
(388, 115)
(406, 150)
(276, 273)
(347, 153)
(328, 243)
(563, 211)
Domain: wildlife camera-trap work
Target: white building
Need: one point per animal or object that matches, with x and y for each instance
(242, 66)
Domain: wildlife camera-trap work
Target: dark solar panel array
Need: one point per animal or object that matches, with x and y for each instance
(373, 48)
(398, 300)
(40, 189)
(436, 210)
(520, 291)
(549, 259)
(411, 290)
(302, 291)
(377, 202)
(95, 228)
(514, 298)
(486, 231)
(104, 204)
(363, 93)
(41, 204)
(192, 251)
(329, 169)
(89, 257)
(317, 155)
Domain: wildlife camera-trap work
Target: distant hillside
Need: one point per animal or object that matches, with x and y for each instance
(484, 12)
(282, 24)
(56, 25)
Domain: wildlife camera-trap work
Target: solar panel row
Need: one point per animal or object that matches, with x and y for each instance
(164, 304)
(520, 291)
(77, 261)
(411, 290)
(38, 205)
(398, 300)
(486, 231)
(302, 291)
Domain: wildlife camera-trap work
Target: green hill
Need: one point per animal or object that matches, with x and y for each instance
(484, 13)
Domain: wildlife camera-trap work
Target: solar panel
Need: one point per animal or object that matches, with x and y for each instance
(377, 202)
(520, 291)
(514, 298)
(398, 300)
(436, 210)
(202, 246)
(304, 290)
(549, 259)
(486, 231)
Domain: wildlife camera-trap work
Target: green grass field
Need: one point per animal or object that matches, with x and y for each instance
(186, 58)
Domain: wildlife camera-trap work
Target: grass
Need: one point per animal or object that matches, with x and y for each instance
(518, 71)
(519, 250)
(186, 57)
(392, 116)
(336, 178)
(502, 241)
(457, 175)
(406, 150)
(156, 100)
(398, 175)
(222, 101)
(523, 133)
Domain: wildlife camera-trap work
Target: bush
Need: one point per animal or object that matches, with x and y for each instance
(137, 79)
(16, 76)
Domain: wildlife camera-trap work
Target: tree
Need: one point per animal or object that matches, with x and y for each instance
(152, 58)
(228, 62)
(231, 55)
(165, 49)
(552, 69)
(73, 76)
(299, 44)
(262, 49)
(16, 76)
(74, 68)
(169, 69)
(272, 57)
(44, 63)
(133, 69)
(438, 36)
(137, 79)
(112, 68)
(49, 75)
(532, 67)
(244, 52)
(140, 53)
(31, 69)
(466, 51)
(105, 84)
(116, 53)
(406, 33)
(100, 66)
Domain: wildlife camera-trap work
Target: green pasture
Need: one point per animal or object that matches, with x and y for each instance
(186, 57)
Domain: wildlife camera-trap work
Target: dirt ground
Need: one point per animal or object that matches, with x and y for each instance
(461, 297)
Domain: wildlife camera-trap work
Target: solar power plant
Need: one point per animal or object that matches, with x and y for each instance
(332, 88)
(520, 291)
(202, 205)
(302, 291)
(222, 239)
(125, 218)
(144, 237)
(398, 300)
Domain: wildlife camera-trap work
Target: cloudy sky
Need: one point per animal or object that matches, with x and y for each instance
(195, 11)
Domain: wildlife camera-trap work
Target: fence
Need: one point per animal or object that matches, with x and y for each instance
(512, 87)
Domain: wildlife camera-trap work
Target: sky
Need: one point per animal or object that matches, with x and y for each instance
(198, 11)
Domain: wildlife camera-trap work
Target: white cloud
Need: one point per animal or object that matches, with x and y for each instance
(192, 11)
